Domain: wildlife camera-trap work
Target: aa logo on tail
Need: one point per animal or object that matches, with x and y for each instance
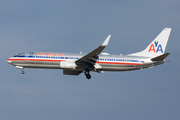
(155, 47)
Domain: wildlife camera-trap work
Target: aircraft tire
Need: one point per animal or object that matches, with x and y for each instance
(88, 76)
(22, 72)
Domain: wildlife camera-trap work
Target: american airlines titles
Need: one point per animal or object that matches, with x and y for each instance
(51, 54)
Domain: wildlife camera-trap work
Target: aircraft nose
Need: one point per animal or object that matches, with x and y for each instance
(8, 61)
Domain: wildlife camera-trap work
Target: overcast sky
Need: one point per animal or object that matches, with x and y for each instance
(82, 25)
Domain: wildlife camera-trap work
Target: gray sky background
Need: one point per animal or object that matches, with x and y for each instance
(82, 25)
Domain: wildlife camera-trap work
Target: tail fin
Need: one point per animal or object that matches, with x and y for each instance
(157, 46)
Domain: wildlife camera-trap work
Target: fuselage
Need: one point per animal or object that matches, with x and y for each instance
(75, 64)
(103, 63)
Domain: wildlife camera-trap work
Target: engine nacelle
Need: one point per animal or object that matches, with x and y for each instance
(68, 65)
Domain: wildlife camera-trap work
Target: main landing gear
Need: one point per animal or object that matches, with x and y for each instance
(88, 76)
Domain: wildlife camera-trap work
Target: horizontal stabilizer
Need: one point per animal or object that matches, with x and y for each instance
(161, 57)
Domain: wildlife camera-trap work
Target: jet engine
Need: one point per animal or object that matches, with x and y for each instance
(68, 65)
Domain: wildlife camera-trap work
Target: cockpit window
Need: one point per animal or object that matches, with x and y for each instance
(16, 56)
(20, 55)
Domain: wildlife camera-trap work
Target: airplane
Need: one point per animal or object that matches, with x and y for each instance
(75, 64)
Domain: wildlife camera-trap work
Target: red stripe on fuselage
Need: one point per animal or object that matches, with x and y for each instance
(52, 60)
(45, 60)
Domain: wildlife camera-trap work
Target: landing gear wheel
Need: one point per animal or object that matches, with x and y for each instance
(88, 76)
(22, 72)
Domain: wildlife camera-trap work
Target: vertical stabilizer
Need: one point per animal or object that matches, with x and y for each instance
(157, 46)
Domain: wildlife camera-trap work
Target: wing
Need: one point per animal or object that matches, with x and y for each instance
(92, 57)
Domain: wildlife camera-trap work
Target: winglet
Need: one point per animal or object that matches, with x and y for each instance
(105, 43)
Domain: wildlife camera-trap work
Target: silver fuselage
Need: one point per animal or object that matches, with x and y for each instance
(106, 62)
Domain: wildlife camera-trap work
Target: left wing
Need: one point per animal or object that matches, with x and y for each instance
(92, 57)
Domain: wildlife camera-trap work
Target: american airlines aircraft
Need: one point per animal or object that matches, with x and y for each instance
(74, 64)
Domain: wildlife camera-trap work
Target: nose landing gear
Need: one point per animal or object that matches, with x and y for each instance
(19, 67)
(22, 72)
(88, 76)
